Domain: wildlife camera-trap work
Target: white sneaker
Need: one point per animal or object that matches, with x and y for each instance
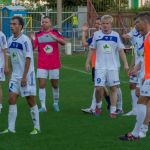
(143, 131)
(88, 110)
(130, 113)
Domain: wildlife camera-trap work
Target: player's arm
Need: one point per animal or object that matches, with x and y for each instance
(126, 36)
(84, 35)
(25, 72)
(58, 38)
(131, 65)
(6, 70)
(88, 60)
(124, 59)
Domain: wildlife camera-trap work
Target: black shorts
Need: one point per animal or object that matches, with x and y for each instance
(93, 74)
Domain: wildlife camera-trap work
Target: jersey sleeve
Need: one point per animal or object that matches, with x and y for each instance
(58, 34)
(89, 40)
(93, 43)
(3, 41)
(28, 49)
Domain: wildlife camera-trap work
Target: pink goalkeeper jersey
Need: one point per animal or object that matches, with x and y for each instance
(48, 51)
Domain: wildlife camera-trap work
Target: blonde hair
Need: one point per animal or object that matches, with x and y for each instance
(107, 17)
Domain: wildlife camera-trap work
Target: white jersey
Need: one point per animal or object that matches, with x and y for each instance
(20, 48)
(107, 46)
(3, 45)
(138, 42)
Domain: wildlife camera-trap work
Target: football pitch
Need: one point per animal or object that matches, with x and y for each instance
(70, 129)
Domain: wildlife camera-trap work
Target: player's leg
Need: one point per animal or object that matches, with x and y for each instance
(42, 76)
(2, 78)
(54, 76)
(132, 86)
(100, 79)
(34, 114)
(113, 82)
(144, 127)
(119, 101)
(0, 97)
(107, 98)
(12, 112)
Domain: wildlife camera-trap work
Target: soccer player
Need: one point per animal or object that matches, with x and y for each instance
(137, 41)
(4, 63)
(106, 43)
(143, 107)
(22, 75)
(47, 42)
(87, 43)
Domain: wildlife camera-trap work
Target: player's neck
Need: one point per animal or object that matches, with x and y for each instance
(16, 35)
(106, 31)
(46, 30)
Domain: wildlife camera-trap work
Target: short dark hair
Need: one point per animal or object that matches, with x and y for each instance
(98, 18)
(144, 16)
(46, 17)
(20, 20)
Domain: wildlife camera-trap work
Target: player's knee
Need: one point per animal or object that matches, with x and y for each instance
(31, 101)
(143, 100)
(54, 84)
(137, 92)
(12, 100)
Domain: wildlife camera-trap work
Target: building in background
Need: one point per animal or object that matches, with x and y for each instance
(138, 3)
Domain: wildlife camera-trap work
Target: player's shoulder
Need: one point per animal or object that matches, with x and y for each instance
(97, 34)
(24, 38)
(115, 33)
(56, 31)
(2, 34)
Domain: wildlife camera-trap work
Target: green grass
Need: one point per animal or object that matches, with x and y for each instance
(70, 129)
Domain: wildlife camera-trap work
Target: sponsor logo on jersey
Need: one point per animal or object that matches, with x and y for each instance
(48, 49)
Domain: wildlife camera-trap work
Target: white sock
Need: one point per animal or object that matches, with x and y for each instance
(141, 113)
(55, 95)
(112, 109)
(93, 105)
(35, 116)
(134, 100)
(12, 115)
(119, 99)
(42, 97)
(99, 105)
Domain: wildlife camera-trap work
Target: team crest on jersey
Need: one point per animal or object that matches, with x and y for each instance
(106, 48)
(48, 49)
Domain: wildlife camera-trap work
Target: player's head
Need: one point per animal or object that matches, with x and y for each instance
(143, 23)
(106, 23)
(46, 23)
(16, 24)
(97, 24)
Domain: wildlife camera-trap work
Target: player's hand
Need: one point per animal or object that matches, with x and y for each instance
(87, 67)
(53, 36)
(23, 82)
(126, 67)
(85, 27)
(6, 70)
(32, 35)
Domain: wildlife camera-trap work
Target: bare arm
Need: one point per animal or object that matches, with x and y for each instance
(6, 70)
(59, 40)
(124, 59)
(84, 35)
(88, 60)
(25, 72)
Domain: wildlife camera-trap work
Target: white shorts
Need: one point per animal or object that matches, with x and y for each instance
(145, 88)
(133, 79)
(28, 90)
(2, 75)
(106, 77)
(140, 77)
(43, 73)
